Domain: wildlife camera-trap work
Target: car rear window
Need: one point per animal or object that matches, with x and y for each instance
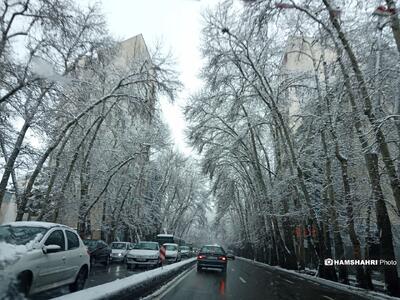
(212, 249)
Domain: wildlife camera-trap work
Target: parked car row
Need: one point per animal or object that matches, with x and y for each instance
(145, 253)
(102, 253)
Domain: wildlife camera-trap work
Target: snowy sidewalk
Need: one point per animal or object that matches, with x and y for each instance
(335, 285)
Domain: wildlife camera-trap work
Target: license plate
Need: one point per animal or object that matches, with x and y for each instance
(211, 257)
(140, 259)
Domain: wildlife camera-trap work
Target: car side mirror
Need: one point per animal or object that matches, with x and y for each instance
(51, 249)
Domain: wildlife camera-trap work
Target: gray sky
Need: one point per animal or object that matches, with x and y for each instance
(177, 24)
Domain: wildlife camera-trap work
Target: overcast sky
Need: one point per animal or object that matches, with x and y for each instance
(177, 23)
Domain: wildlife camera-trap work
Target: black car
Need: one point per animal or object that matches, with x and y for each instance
(212, 256)
(99, 251)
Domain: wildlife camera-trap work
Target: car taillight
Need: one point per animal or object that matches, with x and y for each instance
(222, 258)
(200, 256)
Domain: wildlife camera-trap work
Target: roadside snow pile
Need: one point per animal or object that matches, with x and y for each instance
(132, 286)
(8, 255)
(336, 285)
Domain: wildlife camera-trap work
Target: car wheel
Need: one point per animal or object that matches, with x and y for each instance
(80, 281)
(199, 269)
(24, 282)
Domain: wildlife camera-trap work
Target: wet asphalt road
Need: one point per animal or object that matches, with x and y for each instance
(99, 274)
(244, 280)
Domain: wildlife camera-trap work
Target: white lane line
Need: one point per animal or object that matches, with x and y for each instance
(242, 280)
(159, 294)
(287, 280)
(327, 297)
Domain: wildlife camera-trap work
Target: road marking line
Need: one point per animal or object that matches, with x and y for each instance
(160, 293)
(242, 280)
(327, 297)
(287, 280)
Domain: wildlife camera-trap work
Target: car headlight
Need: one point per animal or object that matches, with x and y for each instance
(119, 254)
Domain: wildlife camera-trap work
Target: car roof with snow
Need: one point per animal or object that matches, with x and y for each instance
(171, 244)
(35, 224)
(147, 242)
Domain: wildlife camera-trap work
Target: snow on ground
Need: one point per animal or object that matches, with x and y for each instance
(115, 287)
(336, 285)
(8, 255)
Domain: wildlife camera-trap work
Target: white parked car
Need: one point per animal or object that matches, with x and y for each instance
(43, 256)
(119, 250)
(185, 251)
(144, 254)
(172, 253)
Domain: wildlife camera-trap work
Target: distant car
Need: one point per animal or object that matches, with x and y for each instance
(172, 252)
(230, 254)
(43, 256)
(212, 256)
(99, 252)
(119, 250)
(185, 251)
(144, 254)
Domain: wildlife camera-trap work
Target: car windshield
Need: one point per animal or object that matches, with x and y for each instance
(171, 247)
(146, 246)
(212, 249)
(21, 235)
(118, 246)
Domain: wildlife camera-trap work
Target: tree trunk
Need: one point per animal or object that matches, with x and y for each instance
(384, 226)
(8, 170)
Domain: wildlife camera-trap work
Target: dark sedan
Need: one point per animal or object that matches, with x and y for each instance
(99, 251)
(211, 256)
